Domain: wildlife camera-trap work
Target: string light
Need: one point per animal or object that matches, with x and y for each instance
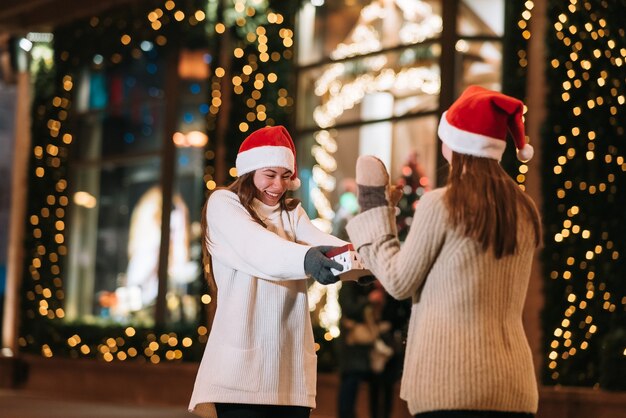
(585, 166)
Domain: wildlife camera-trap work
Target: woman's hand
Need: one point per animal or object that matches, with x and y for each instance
(318, 266)
(395, 194)
(373, 182)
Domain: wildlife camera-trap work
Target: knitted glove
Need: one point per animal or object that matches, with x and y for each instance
(318, 266)
(371, 197)
(372, 181)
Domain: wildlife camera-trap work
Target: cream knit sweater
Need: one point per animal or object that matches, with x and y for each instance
(261, 348)
(466, 345)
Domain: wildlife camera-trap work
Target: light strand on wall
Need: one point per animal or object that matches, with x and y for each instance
(590, 87)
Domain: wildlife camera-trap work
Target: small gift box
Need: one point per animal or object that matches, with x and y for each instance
(353, 267)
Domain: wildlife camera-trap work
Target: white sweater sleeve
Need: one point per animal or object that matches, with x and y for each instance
(237, 241)
(309, 234)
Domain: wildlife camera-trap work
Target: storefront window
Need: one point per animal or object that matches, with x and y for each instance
(480, 62)
(184, 268)
(185, 277)
(370, 82)
(338, 30)
(114, 242)
(341, 92)
(411, 138)
(481, 17)
(116, 259)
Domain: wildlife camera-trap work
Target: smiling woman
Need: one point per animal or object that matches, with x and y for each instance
(260, 247)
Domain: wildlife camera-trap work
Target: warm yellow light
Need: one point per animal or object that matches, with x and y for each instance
(85, 199)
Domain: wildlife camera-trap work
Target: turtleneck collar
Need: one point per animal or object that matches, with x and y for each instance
(265, 211)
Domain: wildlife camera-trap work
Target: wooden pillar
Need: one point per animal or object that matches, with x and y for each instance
(17, 218)
(447, 66)
(223, 54)
(535, 100)
(168, 172)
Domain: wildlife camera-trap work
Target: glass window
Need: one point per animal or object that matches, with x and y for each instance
(343, 92)
(116, 258)
(332, 156)
(102, 134)
(121, 110)
(114, 242)
(481, 18)
(184, 263)
(338, 30)
(479, 63)
(375, 68)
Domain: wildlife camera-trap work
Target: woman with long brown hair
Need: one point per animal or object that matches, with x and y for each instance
(465, 264)
(259, 360)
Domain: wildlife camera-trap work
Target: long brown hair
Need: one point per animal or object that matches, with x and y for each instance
(245, 189)
(486, 204)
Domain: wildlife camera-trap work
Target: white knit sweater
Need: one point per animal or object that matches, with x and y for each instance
(261, 347)
(466, 345)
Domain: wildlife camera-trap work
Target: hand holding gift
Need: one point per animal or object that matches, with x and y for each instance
(351, 263)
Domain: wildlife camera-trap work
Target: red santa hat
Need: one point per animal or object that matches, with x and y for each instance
(478, 121)
(271, 146)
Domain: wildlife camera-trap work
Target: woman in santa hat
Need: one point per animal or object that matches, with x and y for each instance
(260, 248)
(465, 264)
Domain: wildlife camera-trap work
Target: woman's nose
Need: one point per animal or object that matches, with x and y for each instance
(280, 183)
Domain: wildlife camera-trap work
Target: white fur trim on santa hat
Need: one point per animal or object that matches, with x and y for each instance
(263, 157)
(470, 143)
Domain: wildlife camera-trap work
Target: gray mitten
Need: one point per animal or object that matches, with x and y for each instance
(370, 197)
(372, 180)
(318, 266)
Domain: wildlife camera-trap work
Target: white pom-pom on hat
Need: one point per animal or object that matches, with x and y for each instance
(526, 153)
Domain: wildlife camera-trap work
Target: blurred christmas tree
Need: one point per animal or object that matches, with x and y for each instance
(414, 184)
